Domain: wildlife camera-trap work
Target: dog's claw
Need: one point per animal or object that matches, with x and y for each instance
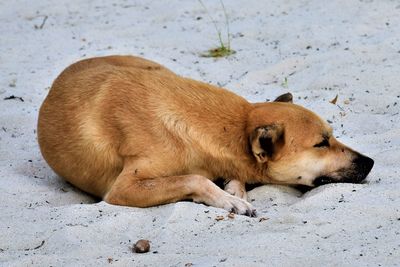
(234, 204)
(251, 213)
(234, 210)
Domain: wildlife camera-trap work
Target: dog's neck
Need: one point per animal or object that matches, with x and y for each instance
(219, 135)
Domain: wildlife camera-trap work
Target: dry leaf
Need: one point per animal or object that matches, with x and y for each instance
(231, 215)
(333, 101)
(263, 219)
(219, 218)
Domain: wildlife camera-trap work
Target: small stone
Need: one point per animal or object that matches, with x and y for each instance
(141, 246)
(219, 218)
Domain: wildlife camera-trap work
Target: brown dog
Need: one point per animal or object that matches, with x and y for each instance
(132, 132)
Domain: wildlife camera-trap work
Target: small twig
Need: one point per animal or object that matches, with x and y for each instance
(43, 22)
(41, 244)
(14, 97)
(242, 75)
(341, 108)
(37, 247)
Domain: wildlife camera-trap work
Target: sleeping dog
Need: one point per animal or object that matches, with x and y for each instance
(132, 132)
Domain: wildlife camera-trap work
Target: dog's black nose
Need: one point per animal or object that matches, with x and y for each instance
(364, 165)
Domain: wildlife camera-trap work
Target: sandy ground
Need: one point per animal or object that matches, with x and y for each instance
(323, 49)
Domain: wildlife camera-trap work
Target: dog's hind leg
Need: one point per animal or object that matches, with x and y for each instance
(133, 191)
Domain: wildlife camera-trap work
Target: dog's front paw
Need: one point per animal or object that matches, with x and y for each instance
(210, 194)
(236, 188)
(237, 205)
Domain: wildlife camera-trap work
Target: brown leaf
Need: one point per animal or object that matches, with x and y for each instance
(333, 101)
(219, 218)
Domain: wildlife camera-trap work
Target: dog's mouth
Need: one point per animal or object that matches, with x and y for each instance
(321, 180)
(358, 171)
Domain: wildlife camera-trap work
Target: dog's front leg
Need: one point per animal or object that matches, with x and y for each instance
(236, 188)
(133, 191)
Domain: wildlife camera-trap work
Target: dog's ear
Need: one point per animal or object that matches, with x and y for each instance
(288, 97)
(266, 140)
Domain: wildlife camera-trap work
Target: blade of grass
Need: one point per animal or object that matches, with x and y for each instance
(227, 25)
(223, 50)
(214, 22)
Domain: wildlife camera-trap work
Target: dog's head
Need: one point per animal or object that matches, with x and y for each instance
(292, 145)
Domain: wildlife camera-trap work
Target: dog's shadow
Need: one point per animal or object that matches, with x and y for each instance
(59, 192)
(49, 188)
(274, 198)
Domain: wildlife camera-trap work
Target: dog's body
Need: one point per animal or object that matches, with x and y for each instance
(132, 132)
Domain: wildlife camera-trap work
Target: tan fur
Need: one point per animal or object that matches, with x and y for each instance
(132, 132)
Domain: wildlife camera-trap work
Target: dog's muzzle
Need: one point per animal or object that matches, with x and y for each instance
(357, 172)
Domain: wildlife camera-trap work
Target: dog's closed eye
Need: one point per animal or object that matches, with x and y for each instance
(324, 143)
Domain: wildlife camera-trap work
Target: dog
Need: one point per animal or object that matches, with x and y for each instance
(133, 133)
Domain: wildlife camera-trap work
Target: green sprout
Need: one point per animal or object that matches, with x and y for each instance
(285, 83)
(223, 49)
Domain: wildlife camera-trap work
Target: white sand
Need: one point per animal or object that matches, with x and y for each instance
(353, 51)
